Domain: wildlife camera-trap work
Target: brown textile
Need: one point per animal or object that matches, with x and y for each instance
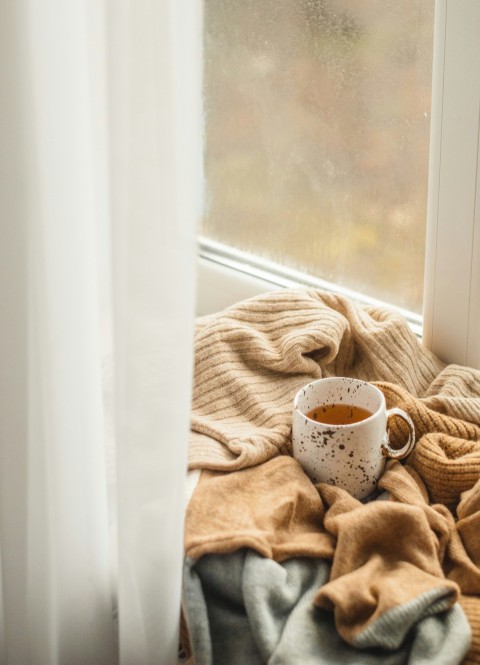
(384, 553)
(385, 556)
(274, 509)
(390, 552)
(468, 525)
(447, 455)
(407, 487)
(250, 361)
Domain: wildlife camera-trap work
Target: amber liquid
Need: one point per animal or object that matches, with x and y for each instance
(338, 414)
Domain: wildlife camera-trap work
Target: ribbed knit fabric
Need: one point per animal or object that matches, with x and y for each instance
(468, 525)
(251, 359)
(447, 454)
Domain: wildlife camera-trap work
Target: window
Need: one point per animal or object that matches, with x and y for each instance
(317, 130)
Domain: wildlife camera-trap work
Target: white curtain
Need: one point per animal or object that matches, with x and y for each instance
(99, 195)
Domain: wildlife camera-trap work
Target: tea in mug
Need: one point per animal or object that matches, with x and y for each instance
(338, 414)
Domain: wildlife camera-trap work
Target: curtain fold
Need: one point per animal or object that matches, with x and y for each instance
(155, 125)
(13, 332)
(100, 192)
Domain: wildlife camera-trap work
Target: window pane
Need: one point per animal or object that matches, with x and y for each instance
(317, 118)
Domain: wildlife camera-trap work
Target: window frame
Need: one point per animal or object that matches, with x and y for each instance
(451, 312)
(451, 316)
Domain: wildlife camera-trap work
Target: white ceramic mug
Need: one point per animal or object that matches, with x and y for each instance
(352, 455)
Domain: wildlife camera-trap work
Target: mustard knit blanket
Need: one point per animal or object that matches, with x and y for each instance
(250, 361)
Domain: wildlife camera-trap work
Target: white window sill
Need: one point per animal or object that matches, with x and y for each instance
(227, 275)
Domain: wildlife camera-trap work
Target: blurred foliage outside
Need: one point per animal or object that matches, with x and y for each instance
(317, 117)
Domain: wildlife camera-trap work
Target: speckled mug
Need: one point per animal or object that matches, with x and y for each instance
(351, 456)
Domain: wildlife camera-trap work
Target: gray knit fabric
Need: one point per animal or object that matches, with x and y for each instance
(244, 609)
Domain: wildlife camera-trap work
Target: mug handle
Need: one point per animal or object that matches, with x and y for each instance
(400, 453)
